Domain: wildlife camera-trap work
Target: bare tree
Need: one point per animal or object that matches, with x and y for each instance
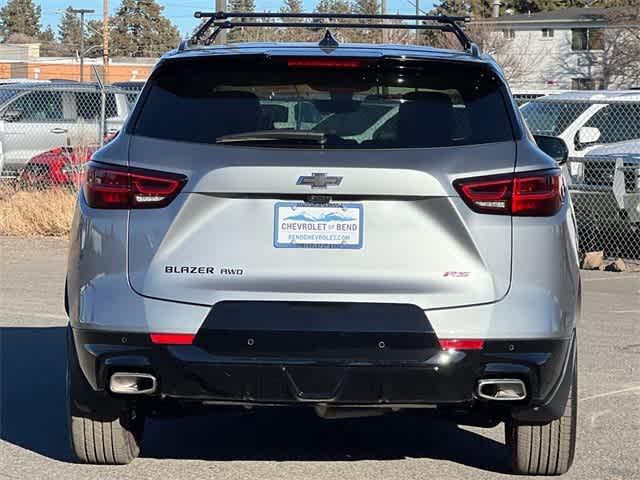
(400, 36)
(621, 53)
(611, 56)
(517, 60)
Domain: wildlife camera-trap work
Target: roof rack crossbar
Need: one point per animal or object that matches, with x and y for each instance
(318, 25)
(222, 21)
(197, 36)
(228, 15)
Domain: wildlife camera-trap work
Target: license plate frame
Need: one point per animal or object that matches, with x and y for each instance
(321, 221)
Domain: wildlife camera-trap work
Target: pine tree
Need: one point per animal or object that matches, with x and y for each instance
(140, 30)
(338, 6)
(367, 7)
(48, 45)
(295, 34)
(476, 8)
(241, 34)
(333, 6)
(292, 6)
(20, 17)
(69, 31)
(48, 35)
(241, 5)
(93, 38)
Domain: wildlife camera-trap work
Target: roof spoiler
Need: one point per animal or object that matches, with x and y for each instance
(216, 22)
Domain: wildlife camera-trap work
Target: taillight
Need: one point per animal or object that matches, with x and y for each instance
(108, 186)
(538, 195)
(534, 194)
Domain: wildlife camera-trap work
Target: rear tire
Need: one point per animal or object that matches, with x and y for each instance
(102, 430)
(546, 449)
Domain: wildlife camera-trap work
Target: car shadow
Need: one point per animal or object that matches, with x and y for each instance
(299, 435)
(32, 390)
(32, 416)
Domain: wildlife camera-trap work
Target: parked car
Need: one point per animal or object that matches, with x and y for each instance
(60, 166)
(287, 113)
(132, 89)
(585, 119)
(217, 258)
(524, 96)
(35, 118)
(14, 81)
(606, 195)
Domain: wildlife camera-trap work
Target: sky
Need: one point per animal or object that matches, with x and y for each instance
(180, 12)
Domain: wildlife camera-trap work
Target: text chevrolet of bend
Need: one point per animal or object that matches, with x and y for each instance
(352, 228)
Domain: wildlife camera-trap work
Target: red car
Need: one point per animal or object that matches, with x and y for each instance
(60, 166)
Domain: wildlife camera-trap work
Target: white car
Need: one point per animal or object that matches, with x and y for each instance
(607, 185)
(585, 119)
(37, 117)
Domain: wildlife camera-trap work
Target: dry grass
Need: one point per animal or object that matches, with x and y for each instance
(37, 213)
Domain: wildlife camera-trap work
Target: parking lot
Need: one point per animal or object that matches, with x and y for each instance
(272, 444)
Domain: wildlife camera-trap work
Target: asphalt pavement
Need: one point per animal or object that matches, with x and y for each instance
(274, 444)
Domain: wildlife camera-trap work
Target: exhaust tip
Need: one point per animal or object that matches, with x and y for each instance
(132, 383)
(502, 389)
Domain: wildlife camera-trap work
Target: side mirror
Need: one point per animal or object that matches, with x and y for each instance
(588, 135)
(554, 147)
(12, 115)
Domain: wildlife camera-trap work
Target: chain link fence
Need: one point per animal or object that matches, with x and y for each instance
(602, 133)
(48, 131)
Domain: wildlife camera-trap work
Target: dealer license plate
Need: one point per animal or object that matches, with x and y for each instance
(305, 225)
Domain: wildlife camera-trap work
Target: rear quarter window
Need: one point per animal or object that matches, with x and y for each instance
(89, 105)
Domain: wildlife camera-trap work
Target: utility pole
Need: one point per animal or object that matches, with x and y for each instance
(105, 41)
(221, 6)
(417, 22)
(81, 11)
(385, 36)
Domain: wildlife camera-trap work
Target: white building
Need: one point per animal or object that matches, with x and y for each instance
(573, 48)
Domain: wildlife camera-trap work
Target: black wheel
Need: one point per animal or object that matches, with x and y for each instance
(546, 449)
(102, 430)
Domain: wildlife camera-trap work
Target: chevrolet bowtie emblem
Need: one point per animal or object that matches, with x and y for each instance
(319, 180)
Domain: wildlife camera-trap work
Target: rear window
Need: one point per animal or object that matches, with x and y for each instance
(362, 104)
(546, 118)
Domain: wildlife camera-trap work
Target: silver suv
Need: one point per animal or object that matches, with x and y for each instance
(37, 117)
(219, 259)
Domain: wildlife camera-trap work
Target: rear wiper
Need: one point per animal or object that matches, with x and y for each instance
(291, 137)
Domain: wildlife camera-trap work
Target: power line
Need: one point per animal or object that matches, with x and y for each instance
(81, 12)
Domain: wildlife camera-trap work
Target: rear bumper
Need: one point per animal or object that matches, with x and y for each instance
(409, 370)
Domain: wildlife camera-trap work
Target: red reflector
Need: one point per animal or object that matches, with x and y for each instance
(523, 194)
(460, 344)
(324, 63)
(172, 338)
(108, 186)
